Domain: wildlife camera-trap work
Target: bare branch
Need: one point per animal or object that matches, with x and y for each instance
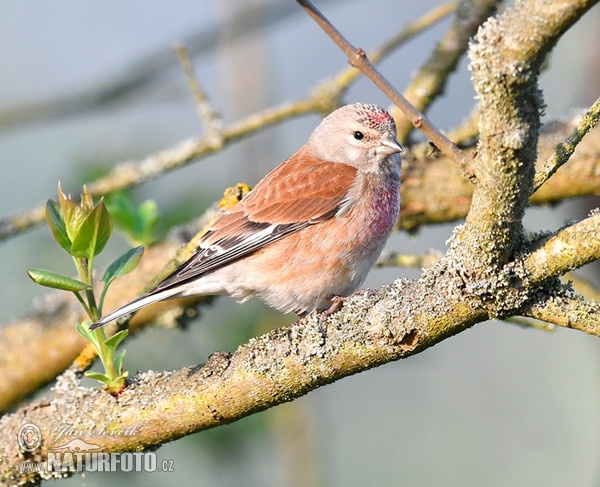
(358, 58)
(430, 81)
(212, 122)
(409, 31)
(565, 150)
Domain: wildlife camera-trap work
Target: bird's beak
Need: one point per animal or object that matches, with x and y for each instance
(389, 145)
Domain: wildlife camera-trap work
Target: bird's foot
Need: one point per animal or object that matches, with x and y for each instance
(336, 304)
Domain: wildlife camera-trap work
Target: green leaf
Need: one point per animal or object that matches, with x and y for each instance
(98, 376)
(122, 211)
(87, 202)
(82, 330)
(111, 384)
(137, 222)
(106, 352)
(56, 281)
(123, 265)
(105, 226)
(119, 365)
(56, 222)
(93, 233)
(113, 341)
(148, 211)
(147, 220)
(73, 214)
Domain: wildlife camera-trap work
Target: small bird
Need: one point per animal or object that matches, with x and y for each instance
(309, 232)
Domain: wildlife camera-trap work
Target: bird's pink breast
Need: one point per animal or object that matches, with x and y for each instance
(382, 214)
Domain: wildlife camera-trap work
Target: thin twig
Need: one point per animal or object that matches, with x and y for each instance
(429, 82)
(565, 149)
(209, 116)
(408, 32)
(359, 59)
(531, 323)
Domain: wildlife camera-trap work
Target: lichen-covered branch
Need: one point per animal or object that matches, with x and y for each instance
(213, 125)
(568, 249)
(371, 329)
(506, 56)
(565, 149)
(566, 311)
(428, 20)
(435, 191)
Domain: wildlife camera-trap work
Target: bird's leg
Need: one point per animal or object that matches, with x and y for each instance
(336, 304)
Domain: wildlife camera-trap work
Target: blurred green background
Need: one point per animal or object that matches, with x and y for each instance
(497, 405)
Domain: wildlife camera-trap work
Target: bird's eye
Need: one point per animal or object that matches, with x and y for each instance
(358, 135)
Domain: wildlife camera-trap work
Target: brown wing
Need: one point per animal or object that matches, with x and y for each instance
(298, 193)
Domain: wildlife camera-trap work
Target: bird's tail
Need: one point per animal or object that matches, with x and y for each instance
(140, 302)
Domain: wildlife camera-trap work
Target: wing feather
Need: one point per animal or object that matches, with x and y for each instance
(298, 193)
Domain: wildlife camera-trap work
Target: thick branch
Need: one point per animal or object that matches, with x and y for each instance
(434, 191)
(566, 311)
(371, 329)
(505, 60)
(568, 249)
